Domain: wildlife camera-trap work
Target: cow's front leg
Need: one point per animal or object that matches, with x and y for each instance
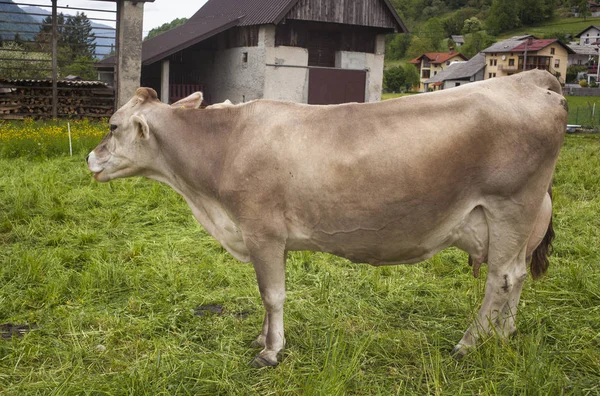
(269, 265)
(261, 340)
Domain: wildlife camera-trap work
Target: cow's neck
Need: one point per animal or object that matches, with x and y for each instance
(192, 145)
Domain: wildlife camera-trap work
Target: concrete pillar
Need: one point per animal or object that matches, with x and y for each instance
(380, 44)
(130, 16)
(164, 81)
(266, 36)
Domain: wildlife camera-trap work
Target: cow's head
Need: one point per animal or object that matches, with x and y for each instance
(130, 149)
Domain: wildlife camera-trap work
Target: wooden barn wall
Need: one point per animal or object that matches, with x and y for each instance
(353, 12)
(342, 37)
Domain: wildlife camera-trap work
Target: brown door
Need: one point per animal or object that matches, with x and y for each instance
(334, 86)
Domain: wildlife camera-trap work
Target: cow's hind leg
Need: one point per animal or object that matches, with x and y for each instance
(502, 292)
(268, 259)
(510, 227)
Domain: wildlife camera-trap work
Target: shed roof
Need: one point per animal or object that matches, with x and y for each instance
(217, 16)
(583, 49)
(460, 70)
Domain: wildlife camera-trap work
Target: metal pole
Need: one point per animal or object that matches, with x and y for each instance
(525, 56)
(116, 70)
(54, 60)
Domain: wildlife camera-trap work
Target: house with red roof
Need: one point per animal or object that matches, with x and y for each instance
(431, 63)
(527, 52)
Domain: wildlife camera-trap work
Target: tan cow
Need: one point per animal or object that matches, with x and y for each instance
(379, 183)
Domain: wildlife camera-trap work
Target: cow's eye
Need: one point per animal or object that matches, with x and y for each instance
(113, 127)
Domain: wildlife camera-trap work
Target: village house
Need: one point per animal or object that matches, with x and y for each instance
(307, 51)
(525, 53)
(590, 36)
(432, 63)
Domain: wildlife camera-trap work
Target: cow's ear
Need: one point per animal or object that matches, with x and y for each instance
(194, 101)
(141, 126)
(146, 95)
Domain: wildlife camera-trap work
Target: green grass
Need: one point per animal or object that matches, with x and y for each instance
(110, 276)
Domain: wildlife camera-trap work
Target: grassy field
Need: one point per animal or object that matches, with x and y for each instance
(581, 109)
(571, 26)
(116, 283)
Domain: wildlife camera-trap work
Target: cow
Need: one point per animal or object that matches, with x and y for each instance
(378, 183)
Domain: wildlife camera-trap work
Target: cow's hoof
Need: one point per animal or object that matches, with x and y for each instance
(459, 352)
(260, 361)
(258, 343)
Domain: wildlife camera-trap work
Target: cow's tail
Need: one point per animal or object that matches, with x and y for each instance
(539, 257)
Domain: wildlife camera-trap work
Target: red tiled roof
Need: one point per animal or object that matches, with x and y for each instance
(533, 45)
(438, 57)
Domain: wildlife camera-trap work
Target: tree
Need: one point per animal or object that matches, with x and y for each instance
(411, 76)
(583, 10)
(503, 16)
(472, 25)
(397, 46)
(79, 36)
(165, 27)
(419, 46)
(475, 43)
(434, 30)
(16, 62)
(76, 44)
(535, 11)
(394, 78)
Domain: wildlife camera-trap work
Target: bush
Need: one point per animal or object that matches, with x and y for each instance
(583, 84)
(573, 71)
(394, 79)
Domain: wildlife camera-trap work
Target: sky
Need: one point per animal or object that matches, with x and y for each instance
(155, 14)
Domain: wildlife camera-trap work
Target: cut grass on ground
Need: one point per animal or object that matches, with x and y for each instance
(110, 276)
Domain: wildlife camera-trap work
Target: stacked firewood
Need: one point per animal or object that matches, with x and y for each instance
(29, 98)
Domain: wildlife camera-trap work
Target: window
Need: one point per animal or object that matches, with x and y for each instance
(587, 41)
(511, 62)
(244, 57)
(491, 62)
(495, 62)
(426, 73)
(457, 84)
(556, 63)
(489, 75)
(551, 51)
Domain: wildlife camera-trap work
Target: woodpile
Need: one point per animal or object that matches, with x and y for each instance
(76, 99)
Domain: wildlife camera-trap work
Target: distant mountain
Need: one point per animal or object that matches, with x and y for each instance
(99, 29)
(13, 19)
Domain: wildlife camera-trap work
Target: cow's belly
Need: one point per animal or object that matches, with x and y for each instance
(400, 243)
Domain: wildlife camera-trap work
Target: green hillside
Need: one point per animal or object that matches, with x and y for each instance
(14, 20)
(557, 26)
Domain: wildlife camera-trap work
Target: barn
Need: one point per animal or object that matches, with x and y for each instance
(306, 51)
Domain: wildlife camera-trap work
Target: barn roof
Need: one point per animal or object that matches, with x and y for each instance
(217, 16)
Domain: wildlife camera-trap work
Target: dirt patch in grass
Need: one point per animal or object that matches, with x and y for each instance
(8, 330)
